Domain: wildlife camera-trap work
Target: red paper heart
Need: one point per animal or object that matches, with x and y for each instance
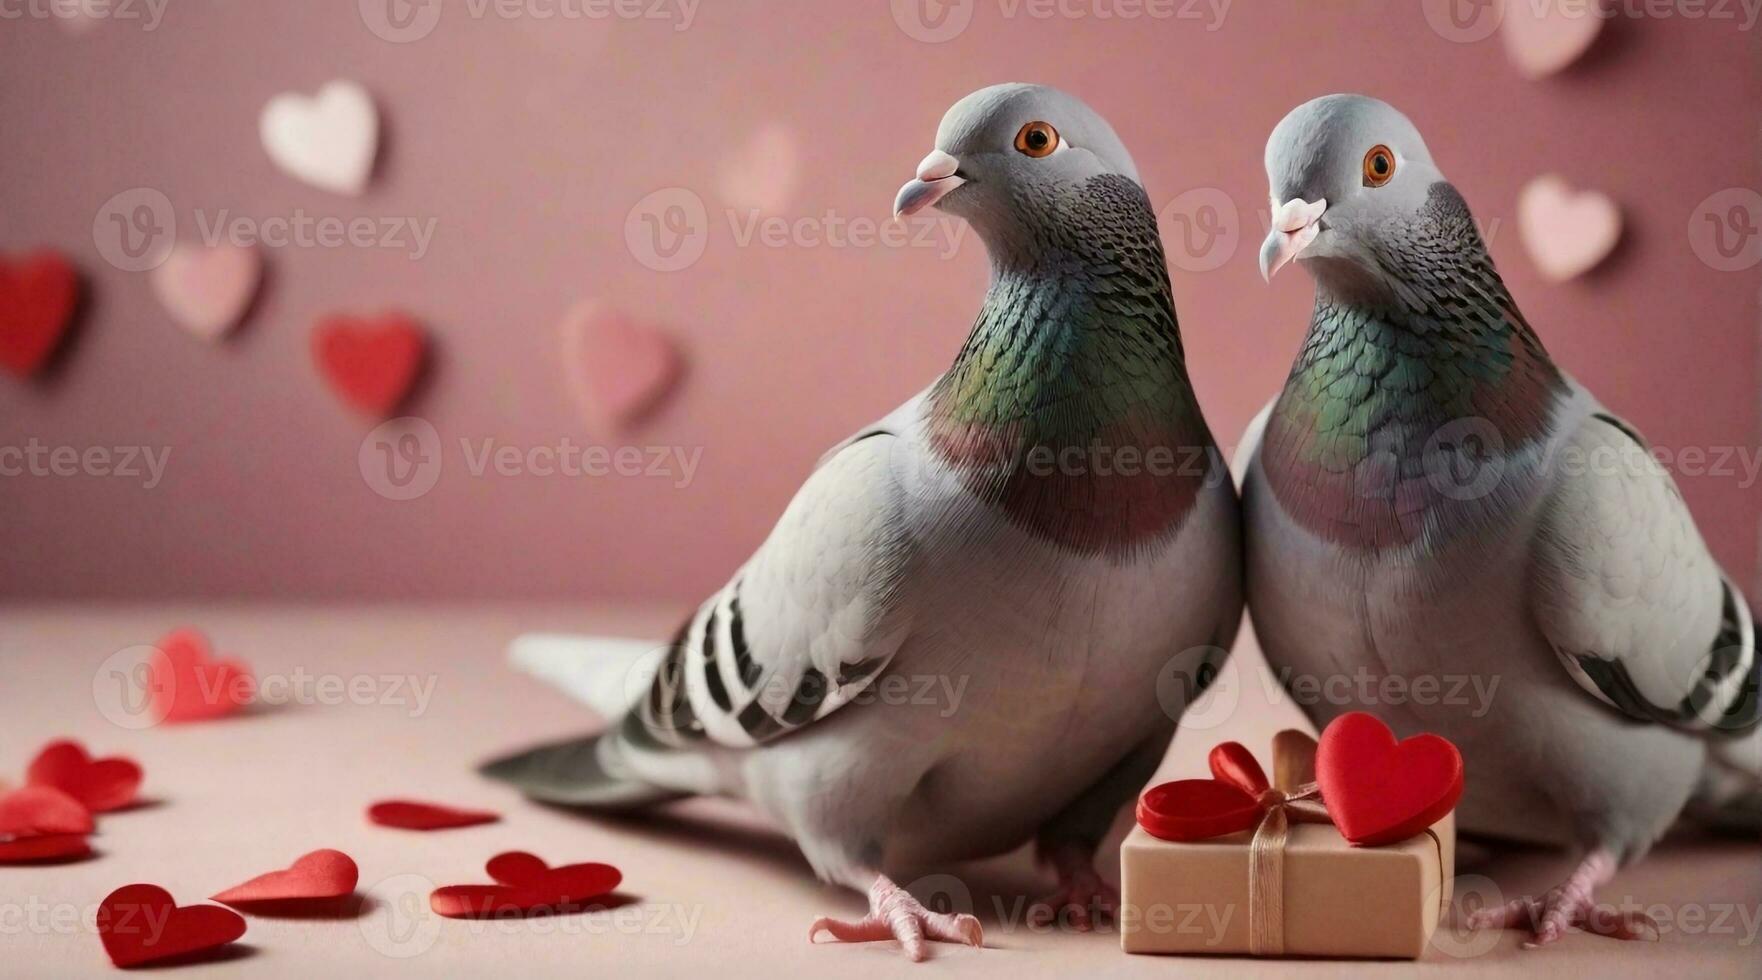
(38, 810)
(37, 297)
(412, 815)
(1379, 791)
(526, 884)
(187, 685)
(141, 923)
(101, 785)
(369, 362)
(45, 847)
(319, 875)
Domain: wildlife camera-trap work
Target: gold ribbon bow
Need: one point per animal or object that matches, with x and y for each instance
(1294, 797)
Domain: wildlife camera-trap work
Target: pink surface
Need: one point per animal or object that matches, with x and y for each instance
(713, 891)
(532, 145)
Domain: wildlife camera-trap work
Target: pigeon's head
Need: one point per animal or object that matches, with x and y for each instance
(1006, 146)
(1347, 174)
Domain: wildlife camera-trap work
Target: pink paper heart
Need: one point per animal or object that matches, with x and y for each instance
(761, 174)
(1543, 38)
(206, 290)
(619, 369)
(1567, 232)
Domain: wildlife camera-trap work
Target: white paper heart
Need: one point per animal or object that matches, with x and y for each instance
(328, 140)
(206, 290)
(618, 369)
(1543, 38)
(1566, 232)
(762, 173)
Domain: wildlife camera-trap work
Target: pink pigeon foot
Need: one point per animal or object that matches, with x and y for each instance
(1082, 897)
(895, 914)
(1549, 916)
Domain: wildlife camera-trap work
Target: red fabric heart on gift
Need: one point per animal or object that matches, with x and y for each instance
(187, 685)
(322, 874)
(141, 923)
(38, 810)
(369, 362)
(1378, 790)
(526, 884)
(37, 297)
(411, 815)
(100, 785)
(1200, 809)
(45, 847)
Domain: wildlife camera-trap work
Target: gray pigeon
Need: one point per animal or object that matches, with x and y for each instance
(1041, 536)
(1434, 509)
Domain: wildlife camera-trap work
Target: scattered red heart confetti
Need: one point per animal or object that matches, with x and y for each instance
(38, 293)
(414, 815)
(369, 362)
(101, 785)
(38, 810)
(1379, 791)
(526, 884)
(141, 923)
(46, 847)
(187, 685)
(321, 874)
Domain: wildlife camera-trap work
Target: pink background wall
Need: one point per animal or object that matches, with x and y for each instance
(530, 141)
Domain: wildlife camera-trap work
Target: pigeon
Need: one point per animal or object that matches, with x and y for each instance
(1433, 507)
(1048, 533)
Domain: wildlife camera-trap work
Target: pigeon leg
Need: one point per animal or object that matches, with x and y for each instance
(1082, 896)
(895, 914)
(1549, 916)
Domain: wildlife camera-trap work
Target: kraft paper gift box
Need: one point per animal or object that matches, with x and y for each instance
(1328, 897)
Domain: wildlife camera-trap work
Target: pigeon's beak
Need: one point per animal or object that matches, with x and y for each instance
(936, 177)
(1295, 225)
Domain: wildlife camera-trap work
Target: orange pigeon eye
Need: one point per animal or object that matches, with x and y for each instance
(1037, 139)
(1379, 166)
